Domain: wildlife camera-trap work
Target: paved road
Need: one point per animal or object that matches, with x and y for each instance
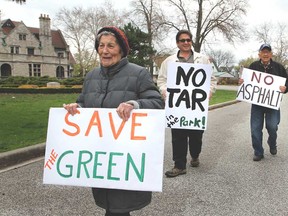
(227, 182)
(228, 87)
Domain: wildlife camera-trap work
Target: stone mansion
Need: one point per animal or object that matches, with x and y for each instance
(33, 52)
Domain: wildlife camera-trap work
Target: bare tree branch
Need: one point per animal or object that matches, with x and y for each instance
(277, 36)
(20, 1)
(80, 27)
(205, 16)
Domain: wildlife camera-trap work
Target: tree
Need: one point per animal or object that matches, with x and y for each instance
(150, 18)
(20, 1)
(203, 17)
(74, 27)
(80, 27)
(222, 59)
(277, 36)
(140, 49)
(105, 15)
(245, 63)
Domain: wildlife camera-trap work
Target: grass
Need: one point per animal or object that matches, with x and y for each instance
(24, 117)
(222, 96)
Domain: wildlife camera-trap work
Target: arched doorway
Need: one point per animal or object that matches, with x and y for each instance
(60, 72)
(5, 70)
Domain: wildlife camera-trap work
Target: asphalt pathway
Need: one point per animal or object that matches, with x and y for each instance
(227, 182)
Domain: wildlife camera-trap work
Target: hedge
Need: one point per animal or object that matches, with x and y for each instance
(40, 90)
(15, 81)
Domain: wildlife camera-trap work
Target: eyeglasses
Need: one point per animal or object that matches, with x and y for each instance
(184, 40)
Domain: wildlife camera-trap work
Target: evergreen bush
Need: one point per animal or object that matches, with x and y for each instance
(16, 81)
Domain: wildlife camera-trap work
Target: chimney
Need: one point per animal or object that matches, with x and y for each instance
(45, 25)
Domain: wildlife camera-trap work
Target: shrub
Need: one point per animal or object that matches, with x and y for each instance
(77, 86)
(73, 81)
(15, 81)
(28, 86)
(40, 90)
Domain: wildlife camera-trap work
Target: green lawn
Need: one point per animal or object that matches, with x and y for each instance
(222, 96)
(24, 117)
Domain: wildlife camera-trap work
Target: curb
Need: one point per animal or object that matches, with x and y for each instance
(220, 105)
(18, 156)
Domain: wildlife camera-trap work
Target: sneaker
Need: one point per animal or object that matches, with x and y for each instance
(175, 172)
(194, 162)
(273, 151)
(257, 157)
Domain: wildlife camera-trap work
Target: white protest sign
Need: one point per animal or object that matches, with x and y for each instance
(187, 97)
(261, 88)
(95, 148)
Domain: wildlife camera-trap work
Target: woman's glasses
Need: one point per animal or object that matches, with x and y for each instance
(184, 40)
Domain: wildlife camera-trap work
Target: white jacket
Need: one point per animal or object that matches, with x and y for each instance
(198, 59)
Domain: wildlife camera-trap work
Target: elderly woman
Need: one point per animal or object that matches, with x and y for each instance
(125, 86)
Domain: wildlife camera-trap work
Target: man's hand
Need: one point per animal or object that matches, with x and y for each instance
(240, 81)
(282, 88)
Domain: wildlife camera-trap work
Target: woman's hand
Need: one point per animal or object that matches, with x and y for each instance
(124, 111)
(71, 108)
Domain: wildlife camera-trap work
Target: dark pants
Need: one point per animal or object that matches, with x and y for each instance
(272, 120)
(117, 214)
(181, 138)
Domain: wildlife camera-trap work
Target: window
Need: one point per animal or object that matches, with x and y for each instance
(30, 51)
(14, 49)
(60, 55)
(22, 36)
(60, 72)
(35, 70)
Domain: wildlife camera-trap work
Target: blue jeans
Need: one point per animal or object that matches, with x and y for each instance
(272, 120)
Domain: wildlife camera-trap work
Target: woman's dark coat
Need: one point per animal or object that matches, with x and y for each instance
(107, 88)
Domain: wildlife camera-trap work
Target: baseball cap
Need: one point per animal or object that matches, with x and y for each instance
(265, 46)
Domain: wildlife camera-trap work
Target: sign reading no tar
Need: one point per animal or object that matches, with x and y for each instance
(95, 148)
(261, 89)
(187, 98)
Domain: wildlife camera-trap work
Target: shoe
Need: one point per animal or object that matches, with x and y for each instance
(257, 157)
(273, 151)
(175, 172)
(194, 162)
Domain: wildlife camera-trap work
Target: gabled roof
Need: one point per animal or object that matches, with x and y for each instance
(71, 59)
(8, 25)
(223, 74)
(58, 40)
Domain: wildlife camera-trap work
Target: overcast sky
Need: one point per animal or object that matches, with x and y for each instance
(260, 11)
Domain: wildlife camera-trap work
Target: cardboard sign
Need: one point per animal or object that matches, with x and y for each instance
(95, 148)
(187, 97)
(261, 89)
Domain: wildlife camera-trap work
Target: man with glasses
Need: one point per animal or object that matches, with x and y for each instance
(181, 138)
(258, 113)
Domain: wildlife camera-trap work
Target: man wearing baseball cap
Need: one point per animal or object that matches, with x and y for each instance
(259, 113)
